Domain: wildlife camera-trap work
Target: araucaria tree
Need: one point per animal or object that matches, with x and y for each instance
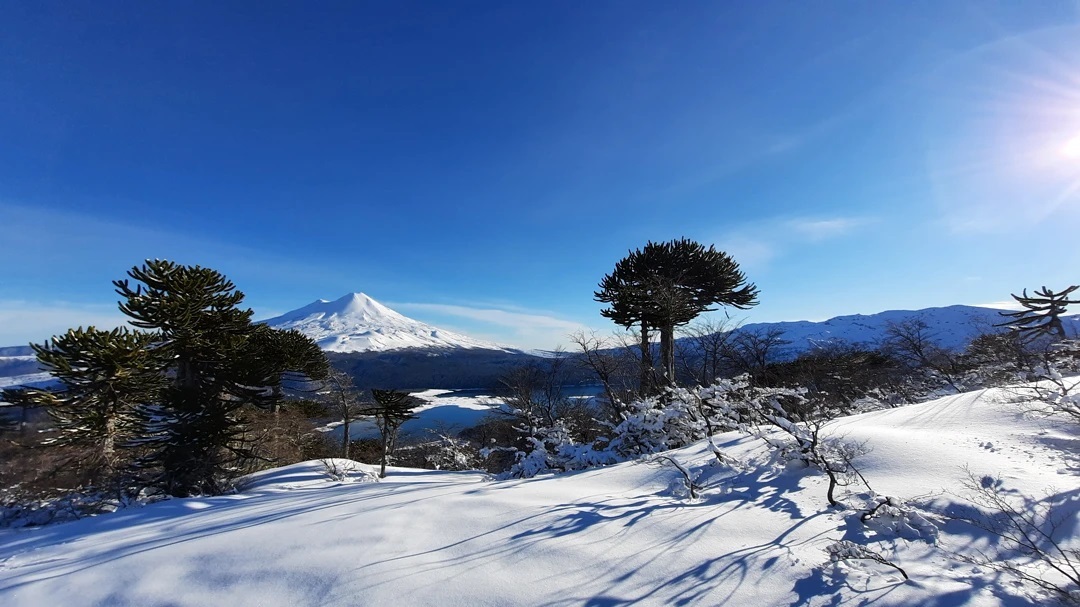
(107, 376)
(629, 307)
(1041, 314)
(391, 410)
(666, 285)
(215, 362)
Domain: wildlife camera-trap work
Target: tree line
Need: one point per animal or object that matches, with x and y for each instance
(188, 398)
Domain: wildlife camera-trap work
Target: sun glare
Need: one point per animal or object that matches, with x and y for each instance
(1071, 149)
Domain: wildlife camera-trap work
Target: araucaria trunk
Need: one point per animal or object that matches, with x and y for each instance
(646, 362)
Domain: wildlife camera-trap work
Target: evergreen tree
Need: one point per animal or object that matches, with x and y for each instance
(106, 376)
(216, 362)
(391, 410)
(289, 358)
(665, 285)
(629, 306)
(1041, 314)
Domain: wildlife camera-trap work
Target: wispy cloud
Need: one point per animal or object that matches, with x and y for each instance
(22, 322)
(528, 329)
(816, 230)
(756, 245)
(752, 253)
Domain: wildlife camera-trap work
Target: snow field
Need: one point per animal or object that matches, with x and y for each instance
(603, 537)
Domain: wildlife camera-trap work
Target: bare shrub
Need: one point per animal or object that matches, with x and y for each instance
(845, 550)
(1032, 535)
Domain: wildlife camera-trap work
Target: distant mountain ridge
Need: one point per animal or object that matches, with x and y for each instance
(358, 323)
(383, 348)
(952, 327)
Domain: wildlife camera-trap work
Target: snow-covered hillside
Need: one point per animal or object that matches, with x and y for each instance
(622, 535)
(952, 327)
(19, 367)
(358, 323)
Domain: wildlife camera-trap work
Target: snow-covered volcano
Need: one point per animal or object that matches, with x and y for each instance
(358, 323)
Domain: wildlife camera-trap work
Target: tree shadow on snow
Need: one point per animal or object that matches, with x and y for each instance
(137, 530)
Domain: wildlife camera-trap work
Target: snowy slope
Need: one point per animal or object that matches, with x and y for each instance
(358, 323)
(953, 327)
(606, 537)
(19, 367)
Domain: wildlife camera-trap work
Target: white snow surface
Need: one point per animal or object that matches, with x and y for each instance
(358, 323)
(34, 380)
(613, 536)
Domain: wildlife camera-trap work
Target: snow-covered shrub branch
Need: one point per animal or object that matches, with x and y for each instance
(552, 447)
(651, 425)
(1057, 395)
(845, 550)
(899, 518)
(689, 480)
(1033, 535)
(802, 424)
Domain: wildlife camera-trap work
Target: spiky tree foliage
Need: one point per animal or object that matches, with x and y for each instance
(668, 284)
(106, 376)
(391, 410)
(629, 307)
(292, 359)
(1041, 314)
(216, 362)
(8, 421)
(13, 409)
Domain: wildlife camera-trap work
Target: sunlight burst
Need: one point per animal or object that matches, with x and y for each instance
(1071, 149)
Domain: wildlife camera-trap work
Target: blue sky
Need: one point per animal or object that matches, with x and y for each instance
(481, 165)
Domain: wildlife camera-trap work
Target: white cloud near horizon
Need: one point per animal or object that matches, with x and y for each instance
(755, 246)
(22, 322)
(528, 329)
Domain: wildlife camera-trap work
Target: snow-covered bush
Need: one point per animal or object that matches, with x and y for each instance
(681, 416)
(1058, 395)
(845, 550)
(654, 424)
(802, 424)
(450, 453)
(687, 484)
(896, 517)
(18, 510)
(346, 470)
(553, 448)
(648, 426)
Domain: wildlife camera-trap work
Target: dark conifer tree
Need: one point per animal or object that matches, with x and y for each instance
(216, 361)
(665, 285)
(106, 377)
(391, 410)
(629, 306)
(1041, 314)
